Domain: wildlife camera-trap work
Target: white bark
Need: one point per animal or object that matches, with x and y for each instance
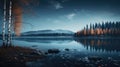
(4, 24)
(9, 24)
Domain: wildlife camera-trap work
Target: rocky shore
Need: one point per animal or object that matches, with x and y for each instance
(16, 56)
(70, 58)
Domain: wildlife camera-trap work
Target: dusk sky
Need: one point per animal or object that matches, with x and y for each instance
(70, 15)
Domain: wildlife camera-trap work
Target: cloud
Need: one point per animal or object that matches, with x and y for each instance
(58, 6)
(71, 16)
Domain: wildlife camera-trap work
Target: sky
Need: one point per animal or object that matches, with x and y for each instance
(70, 15)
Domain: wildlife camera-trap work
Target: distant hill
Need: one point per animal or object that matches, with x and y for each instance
(48, 33)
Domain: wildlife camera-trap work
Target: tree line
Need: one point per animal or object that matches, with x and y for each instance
(100, 29)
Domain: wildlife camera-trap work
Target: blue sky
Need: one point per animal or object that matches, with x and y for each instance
(70, 15)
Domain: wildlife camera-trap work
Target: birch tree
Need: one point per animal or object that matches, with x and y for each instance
(4, 25)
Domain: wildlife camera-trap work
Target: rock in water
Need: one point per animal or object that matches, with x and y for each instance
(53, 51)
(67, 49)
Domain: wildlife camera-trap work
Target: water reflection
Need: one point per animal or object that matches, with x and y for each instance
(108, 45)
(46, 40)
(90, 44)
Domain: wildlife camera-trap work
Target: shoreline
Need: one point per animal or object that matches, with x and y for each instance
(16, 56)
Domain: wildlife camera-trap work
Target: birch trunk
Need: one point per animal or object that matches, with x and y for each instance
(4, 25)
(9, 25)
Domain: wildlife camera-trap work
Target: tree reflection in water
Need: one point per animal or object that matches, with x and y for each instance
(108, 45)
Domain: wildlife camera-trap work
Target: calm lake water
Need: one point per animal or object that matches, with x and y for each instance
(79, 48)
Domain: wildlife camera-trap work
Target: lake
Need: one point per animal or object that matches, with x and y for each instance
(74, 52)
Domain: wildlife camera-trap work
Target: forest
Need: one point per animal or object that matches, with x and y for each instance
(100, 29)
